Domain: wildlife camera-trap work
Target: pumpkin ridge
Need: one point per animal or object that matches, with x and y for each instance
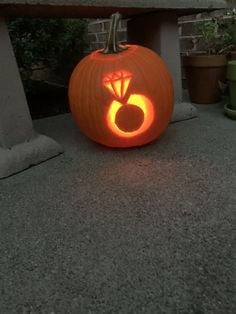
(101, 132)
(74, 84)
(92, 110)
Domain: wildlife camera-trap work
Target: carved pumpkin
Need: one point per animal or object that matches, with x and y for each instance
(121, 96)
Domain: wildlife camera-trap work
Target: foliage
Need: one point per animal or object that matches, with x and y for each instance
(210, 41)
(230, 30)
(218, 35)
(46, 42)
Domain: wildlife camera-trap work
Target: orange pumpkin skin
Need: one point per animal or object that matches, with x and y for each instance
(150, 84)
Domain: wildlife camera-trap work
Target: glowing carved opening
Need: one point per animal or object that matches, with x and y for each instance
(118, 83)
(138, 100)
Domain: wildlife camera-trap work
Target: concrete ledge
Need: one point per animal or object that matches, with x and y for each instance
(159, 4)
(27, 154)
(103, 8)
(183, 111)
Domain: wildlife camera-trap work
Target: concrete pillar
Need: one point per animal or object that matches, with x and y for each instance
(159, 32)
(20, 145)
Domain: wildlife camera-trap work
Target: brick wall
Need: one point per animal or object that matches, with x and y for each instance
(98, 30)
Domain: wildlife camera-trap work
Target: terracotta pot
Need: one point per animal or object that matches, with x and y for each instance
(231, 55)
(203, 73)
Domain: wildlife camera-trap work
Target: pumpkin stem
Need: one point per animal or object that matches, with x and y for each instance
(112, 45)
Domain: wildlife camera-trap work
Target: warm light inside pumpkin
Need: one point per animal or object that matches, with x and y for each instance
(118, 83)
(138, 100)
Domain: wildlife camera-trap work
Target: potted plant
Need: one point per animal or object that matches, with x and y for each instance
(204, 71)
(228, 27)
(230, 108)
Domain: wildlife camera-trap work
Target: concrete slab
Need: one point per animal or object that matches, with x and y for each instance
(103, 8)
(183, 111)
(24, 155)
(146, 230)
(20, 145)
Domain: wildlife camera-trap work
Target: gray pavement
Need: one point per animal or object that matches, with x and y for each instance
(143, 230)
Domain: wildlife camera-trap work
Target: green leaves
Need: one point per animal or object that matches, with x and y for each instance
(47, 42)
(218, 35)
(210, 40)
